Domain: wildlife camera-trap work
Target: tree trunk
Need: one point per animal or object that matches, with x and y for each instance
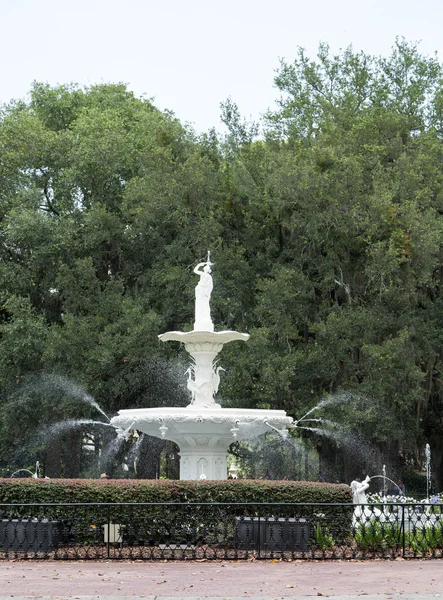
(172, 461)
(72, 454)
(53, 459)
(327, 456)
(148, 464)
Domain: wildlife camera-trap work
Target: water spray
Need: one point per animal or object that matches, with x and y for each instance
(428, 469)
(124, 433)
(283, 433)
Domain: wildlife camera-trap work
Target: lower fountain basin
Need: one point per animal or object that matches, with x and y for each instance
(202, 434)
(216, 422)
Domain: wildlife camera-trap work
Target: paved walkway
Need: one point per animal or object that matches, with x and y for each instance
(415, 579)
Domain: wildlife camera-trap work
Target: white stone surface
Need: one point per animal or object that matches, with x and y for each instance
(203, 290)
(203, 375)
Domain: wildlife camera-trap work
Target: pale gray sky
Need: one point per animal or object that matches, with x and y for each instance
(192, 54)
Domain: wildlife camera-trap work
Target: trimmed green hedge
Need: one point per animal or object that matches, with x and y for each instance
(162, 523)
(44, 491)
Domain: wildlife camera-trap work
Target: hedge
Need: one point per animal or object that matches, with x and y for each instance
(44, 491)
(147, 523)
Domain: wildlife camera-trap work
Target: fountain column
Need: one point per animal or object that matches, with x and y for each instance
(203, 456)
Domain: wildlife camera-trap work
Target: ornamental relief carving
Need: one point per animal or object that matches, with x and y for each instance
(185, 417)
(203, 347)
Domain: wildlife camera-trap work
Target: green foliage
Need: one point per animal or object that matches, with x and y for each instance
(121, 491)
(377, 537)
(415, 483)
(271, 457)
(323, 538)
(426, 539)
(326, 236)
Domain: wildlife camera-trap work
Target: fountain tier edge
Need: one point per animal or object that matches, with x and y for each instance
(203, 435)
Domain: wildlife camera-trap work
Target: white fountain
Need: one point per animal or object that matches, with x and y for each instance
(203, 430)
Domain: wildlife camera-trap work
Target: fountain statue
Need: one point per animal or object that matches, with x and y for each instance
(358, 489)
(203, 430)
(362, 513)
(203, 289)
(365, 514)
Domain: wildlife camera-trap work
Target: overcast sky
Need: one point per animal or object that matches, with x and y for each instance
(190, 55)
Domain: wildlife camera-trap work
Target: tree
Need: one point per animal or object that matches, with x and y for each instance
(325, 230)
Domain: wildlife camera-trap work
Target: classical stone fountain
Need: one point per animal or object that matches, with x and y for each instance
(203, 430)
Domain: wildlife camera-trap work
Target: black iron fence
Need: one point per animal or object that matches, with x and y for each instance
(220, 531)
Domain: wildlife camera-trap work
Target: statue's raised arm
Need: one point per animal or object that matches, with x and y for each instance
(198, 267)
(358, 489)
(203, 291)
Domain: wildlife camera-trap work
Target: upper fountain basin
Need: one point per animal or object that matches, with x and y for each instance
(200, 337)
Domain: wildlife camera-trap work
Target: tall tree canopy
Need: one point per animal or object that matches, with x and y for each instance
(326, 231)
